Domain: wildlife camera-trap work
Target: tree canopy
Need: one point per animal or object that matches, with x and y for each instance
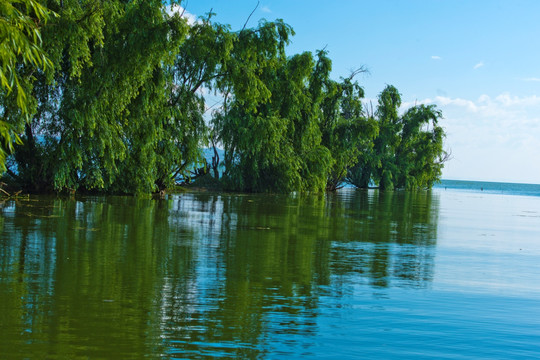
(110, 96)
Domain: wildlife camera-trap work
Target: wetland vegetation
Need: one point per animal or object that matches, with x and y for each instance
(109, 97)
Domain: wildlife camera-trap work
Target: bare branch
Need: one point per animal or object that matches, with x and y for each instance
(445, 156)
(249, 17)
(360, 70)
(5, 192)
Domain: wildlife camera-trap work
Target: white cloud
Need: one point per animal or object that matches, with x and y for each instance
(498, 108)
(507, 100)
(266, 9)
(435, 57)
(479, 65)
(177, 9)
(533, 79)
(463, 103)
(491, 137)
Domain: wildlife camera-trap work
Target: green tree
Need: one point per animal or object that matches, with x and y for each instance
(269, 125)
(408, 150)
(388, 140)
(199, 66)
(101, 118)
(346, 131)
(249, 125)
(124, 109)
(420, 156)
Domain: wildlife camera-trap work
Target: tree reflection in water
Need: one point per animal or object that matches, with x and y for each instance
(200, 274)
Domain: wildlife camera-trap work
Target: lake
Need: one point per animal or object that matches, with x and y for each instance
(452, 273)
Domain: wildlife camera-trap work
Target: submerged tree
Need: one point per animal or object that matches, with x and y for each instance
(123, 110)
(103, 109)
(199, 65)
(408, 150)
(420, 156)
(269, 121)
(387, 141)
(347, 132)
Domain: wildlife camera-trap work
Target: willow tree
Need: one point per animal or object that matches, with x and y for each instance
(102, 109)
(346, 130)
(360, 173)
(269, 121)
(199, 65)
(420, 156)
(388, 139)
(251, 131)
(407, 152)
(124, 109)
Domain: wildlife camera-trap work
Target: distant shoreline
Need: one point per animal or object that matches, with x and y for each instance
(490, 187)
(488, 181)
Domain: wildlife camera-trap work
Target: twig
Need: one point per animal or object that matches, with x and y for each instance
(184, 10)
(360, 70)
(249, 17)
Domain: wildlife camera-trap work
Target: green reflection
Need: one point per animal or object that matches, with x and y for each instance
(198, 275)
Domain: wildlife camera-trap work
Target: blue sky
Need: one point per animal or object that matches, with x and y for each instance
(478, 61)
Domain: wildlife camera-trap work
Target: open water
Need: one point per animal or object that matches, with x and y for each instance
(452, 273)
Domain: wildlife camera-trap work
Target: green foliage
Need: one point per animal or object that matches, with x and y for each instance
(110, 96)
(420, 156)
(199, 65)
(269, 125)
(102, 115)
(346, 131)
(20, 50)
(21, 40)
(408, 150)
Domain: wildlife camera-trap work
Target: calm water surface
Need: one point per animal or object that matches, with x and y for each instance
(358, 274)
